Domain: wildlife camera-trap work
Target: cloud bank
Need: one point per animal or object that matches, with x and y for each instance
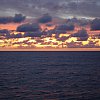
(18, 18)
(60, 8)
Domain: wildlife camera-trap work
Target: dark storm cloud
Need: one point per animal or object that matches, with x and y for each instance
(61, 8)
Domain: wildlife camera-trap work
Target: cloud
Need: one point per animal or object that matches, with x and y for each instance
(61, 8)
(5, 20)
(81, 22)
(95, 24)
(18, 18)
(82, 35)
(4, 33)
(32, 34)
(64, 38)
(30, 27)
(45, 18)
(66, 27)
(19, 35)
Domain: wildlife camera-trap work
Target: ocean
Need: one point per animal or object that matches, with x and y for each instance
(49, 75)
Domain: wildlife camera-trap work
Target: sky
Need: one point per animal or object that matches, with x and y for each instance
(56, 8)
(47, 30)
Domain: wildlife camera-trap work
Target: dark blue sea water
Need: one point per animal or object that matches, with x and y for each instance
(49, 75)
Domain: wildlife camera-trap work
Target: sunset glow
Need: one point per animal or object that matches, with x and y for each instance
(48, 32)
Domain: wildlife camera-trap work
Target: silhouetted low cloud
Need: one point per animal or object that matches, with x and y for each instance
(16, 19)
(66, 27)
(32, 34)
(64, 38)
(81, 22)
(45, 18)
(19, 35)
(95, 24)
(82, 35)
(5, 20)
(5, 33)
(28, 27)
